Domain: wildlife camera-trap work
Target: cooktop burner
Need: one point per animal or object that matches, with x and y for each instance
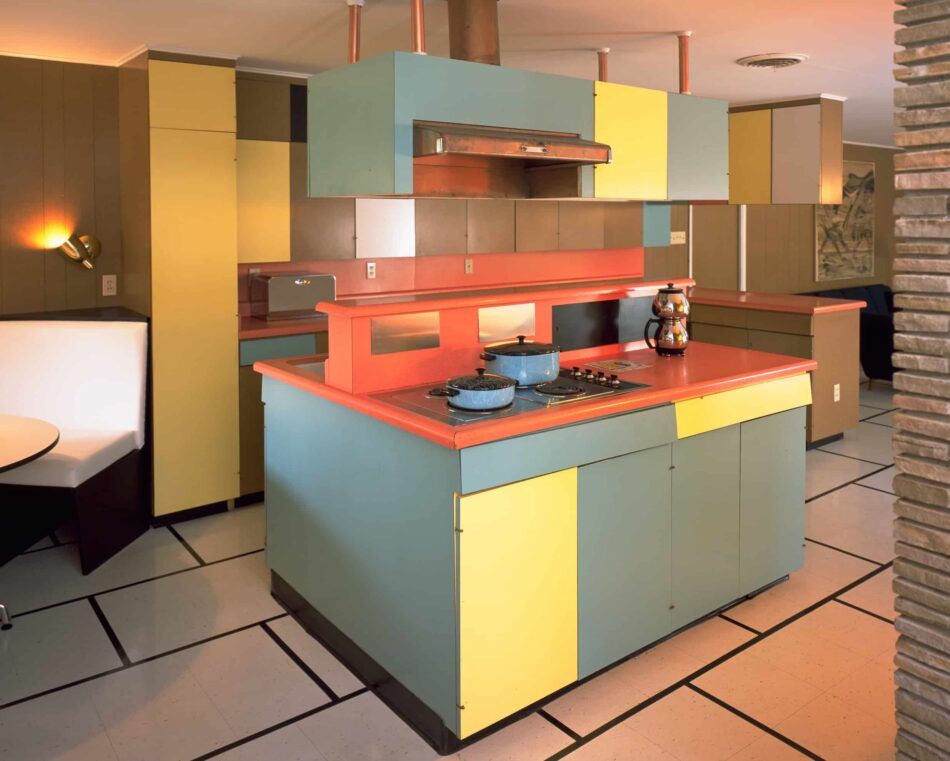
(559, 389)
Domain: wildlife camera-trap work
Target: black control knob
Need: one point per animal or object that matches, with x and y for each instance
(614, 381)
(601, 379)
(576, 372)
(589, 377)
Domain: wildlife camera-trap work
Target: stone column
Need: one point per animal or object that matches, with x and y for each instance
(922, 343)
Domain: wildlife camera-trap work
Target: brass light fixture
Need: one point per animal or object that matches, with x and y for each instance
(82, 249)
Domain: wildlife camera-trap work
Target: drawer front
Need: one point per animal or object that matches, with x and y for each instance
(781, 343)
(273, 348)
(710, 315)
(781, 322)
(515, 459)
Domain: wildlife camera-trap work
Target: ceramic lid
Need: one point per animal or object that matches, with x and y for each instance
(522, 349)
(481, 381)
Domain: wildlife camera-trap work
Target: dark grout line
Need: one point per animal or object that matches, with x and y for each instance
(45, 549)
(848, 483)
(191, 550)
(54, 539)
(880, 425)
(110, 632)
(843, 552)
(133, 664)
(859, 459)
(278, 726)
(874, 488)
(741, 625)
(134, 583)
(713, 664)
(559, 724)
(878, 616)
(300, 663)
(755, 722)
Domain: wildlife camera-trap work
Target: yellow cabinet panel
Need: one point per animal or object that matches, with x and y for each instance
(194, 318)
(750, 156)
(707, 413)
(191, 96)
(633, 121)
(517, 596)
(263, 197)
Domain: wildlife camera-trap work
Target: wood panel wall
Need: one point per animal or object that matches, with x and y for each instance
(781, 238)
(60, 170)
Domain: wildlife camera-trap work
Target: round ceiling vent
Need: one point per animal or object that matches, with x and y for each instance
(772, 60)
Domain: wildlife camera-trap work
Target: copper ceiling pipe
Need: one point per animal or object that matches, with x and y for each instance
(356, 9)
(473, 31)
(418, 27)
(602, 64)
(684, 61)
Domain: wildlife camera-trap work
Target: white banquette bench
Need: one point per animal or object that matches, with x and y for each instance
(88, 378)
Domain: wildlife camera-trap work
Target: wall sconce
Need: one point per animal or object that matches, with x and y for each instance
(81, 248)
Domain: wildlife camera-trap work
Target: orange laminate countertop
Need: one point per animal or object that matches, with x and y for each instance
(705, 369)
(255, 327)
(770, 302)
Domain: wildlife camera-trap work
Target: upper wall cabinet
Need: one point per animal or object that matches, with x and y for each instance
(698, 149)
(360, 116)
(788, 152)
(633, 121)
(190, 96)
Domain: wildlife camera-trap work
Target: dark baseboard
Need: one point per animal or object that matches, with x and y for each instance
(186, 515)
(412, 710)
(249, 499)
(823, 442)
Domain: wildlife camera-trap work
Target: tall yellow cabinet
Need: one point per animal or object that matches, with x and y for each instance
(193, 188)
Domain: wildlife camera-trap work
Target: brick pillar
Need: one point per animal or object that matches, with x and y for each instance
(922, 423)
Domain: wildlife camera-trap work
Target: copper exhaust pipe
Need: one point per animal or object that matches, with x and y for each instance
(684, 61)
(602, 64)
(356, 9)
(418, 27)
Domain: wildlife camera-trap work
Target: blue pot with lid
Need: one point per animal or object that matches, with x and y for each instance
(528, 362)
(480, 392)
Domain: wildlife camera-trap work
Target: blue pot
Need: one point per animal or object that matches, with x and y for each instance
(527, 362)
(481, 391)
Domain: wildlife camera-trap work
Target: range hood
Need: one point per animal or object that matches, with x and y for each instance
(548, 149)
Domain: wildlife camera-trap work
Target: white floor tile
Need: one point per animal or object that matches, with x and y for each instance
(882, 396)
(224, 535)
(287, 744)
(883, 480)
(42, 544)
(886, 418)
(531, 739)
(64, 726)
(161, 615)
(43, 578)
(866, 412)
(854, 519)
(620, 744)
(337, 676)
(364, 729)
(876, 594)
(825, 471)
(51, 648)
(866, 442)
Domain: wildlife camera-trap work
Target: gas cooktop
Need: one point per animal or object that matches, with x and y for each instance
(572, 385)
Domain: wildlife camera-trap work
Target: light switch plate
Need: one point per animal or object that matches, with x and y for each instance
(677, 237)
(370, 270)
(109, 285)
(837, 392)
(469, 266)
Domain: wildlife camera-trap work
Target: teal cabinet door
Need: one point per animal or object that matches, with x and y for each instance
(698, 154)
(623, 548)
(705, 523)
(772, 506)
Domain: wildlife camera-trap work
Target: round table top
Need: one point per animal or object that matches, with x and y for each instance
(23, 439)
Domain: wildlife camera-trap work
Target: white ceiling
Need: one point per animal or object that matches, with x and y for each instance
(850, 42)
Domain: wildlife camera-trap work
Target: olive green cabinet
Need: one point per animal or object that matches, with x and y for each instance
(624, 547)
(705, 568)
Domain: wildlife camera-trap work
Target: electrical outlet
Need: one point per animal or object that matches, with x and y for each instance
(469, 266)
(109, 285)
(837, 392)
(677, 237)
(370, 270)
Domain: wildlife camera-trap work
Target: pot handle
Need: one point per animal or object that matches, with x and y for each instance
(451, 392)
(487, 357)
(646, 332)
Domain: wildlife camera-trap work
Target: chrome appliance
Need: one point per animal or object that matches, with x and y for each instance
(287, 296)
(671, 308)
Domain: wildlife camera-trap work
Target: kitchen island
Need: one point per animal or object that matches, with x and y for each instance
(470, 570)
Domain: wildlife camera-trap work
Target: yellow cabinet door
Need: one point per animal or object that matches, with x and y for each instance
(194, 318)
(633, 122)
(263, 197)
(191, 96)
(750, 156)
(517, 596)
